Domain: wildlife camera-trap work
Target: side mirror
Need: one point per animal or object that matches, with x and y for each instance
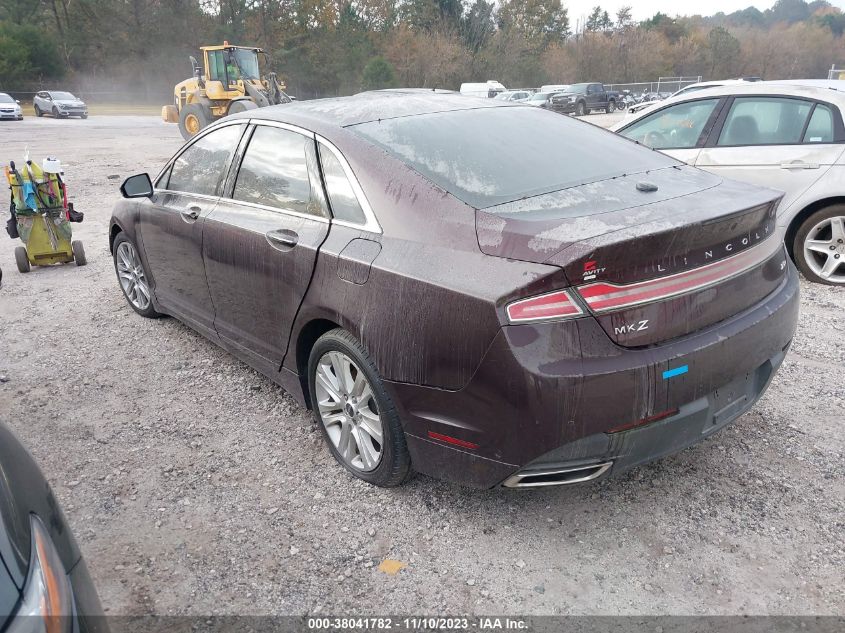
(138, 186)
(17, 101)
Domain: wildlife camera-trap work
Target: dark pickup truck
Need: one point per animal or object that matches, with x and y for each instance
(581, 99)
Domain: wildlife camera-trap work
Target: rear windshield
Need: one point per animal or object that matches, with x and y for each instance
(491, 156)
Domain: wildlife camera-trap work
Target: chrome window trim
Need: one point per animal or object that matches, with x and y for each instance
(284, 126)
(200, 196)
(371, 224)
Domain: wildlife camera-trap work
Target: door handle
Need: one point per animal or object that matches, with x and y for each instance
(282, 238)
(191, 213)
(799, 164)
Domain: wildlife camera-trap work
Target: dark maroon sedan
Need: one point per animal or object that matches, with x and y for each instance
(484, 292)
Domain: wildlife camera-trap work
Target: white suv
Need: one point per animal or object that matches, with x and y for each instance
(59, 103)
(786, 137)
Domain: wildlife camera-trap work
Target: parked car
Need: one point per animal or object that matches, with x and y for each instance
(59, 104)
(558, 312)
(44, 583)
(788, 137)
(513, 95)
(581, 99)
(486, 90)
(10, 108)
(540, 99)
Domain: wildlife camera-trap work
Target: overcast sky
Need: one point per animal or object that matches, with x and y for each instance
(643, 9)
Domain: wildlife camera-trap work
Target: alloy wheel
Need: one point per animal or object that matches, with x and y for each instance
(348, 410)
(130, 272)
(192, 124)
(824, 249)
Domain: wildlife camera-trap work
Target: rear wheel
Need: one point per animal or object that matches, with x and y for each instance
(78, 253)
(21, 259)
(192, 118)
(132, 277)
(819, 246)
(355, 412)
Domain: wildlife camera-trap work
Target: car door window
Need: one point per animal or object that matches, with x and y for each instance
(201, 168)
(676, 127)
(342, 198)
(820, 129)
(764, 121)
(274, 171)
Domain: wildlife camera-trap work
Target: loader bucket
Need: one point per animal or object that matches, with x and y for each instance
(169, 114)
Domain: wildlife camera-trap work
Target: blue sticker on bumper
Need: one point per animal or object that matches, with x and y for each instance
(671, 373)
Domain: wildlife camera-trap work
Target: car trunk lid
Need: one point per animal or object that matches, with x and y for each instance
(654, 256)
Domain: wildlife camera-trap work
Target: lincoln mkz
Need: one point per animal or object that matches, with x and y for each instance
(485, 292)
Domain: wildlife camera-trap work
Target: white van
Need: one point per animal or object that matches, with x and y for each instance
(486, 90)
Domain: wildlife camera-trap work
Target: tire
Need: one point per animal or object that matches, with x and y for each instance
(580, 108)
(142, 307)
(825, 230)
(192, 118)
(352, 418)
(78, 253)
(241, 105)
(38, 111)
(83, 116)
(611, 107)
(21, 259)
(56, 114)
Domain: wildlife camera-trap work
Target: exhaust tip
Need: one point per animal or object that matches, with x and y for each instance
(556, 476)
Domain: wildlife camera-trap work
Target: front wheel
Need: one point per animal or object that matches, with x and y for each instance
(38, 111)
(355, 412)
(21, 259)
(611, 107)
(132, 277)
(83, 116)
(819, 246)
(581, 109)
(192, 118)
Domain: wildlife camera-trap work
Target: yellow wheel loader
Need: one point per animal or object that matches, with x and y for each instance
(229, 81)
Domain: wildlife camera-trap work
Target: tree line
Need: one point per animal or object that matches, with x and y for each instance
(335, 47)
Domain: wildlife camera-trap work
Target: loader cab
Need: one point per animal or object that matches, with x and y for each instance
(228, 66)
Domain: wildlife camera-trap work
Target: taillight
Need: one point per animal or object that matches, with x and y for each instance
(604, 297)
(551, 306)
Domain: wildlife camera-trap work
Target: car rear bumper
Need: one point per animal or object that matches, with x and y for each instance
(547, 396)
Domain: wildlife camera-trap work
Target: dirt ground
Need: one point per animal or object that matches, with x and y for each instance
(195, 486)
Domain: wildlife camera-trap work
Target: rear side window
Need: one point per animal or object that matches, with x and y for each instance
(274, 171)
(765, 121)
(491, 156)
(675, 127)
(344, 202)
(201, 168)
(820, 129)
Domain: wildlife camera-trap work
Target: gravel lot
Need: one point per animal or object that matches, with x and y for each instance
(195, 486)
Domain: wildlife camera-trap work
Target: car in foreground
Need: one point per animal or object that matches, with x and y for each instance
(10, 108)
(785, 136)
(59, 104)
(44, 583)
(514, 318)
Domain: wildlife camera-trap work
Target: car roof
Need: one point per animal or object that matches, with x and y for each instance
(756, 88)
(376, 105)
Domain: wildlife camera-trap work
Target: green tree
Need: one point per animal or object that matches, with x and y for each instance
(27, 55)
(478, 25)
(724, 50)
(378, 73)
(537, 21)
